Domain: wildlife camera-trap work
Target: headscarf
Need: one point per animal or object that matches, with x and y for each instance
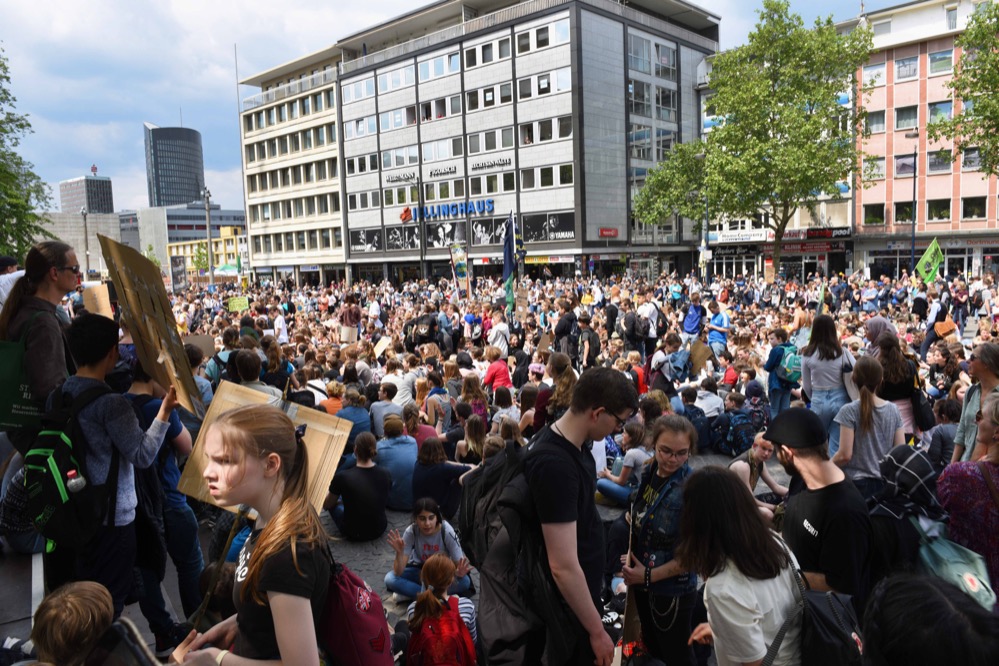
(873, 328)
(910, 486)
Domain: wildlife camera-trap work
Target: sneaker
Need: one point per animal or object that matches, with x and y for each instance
(166, 642)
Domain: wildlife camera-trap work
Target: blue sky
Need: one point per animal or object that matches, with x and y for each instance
(90, 73)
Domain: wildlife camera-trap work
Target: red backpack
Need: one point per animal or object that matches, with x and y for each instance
(352, 628)
(442, 641)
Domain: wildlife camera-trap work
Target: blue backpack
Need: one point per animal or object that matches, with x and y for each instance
(740, 436)
(702, 426)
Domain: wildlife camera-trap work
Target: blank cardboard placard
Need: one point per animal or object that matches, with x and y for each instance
(545, 342)
(325, 438)
(98, 301)
(147, 311)
(382, 345)
(700, 354)
(522, 307)
(205, 343)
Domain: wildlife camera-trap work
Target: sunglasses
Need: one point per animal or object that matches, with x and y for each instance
(73, 269)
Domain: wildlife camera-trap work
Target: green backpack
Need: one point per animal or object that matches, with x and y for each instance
(955, 564)
(789, 369)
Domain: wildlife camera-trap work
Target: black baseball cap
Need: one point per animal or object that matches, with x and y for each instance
(7, 262)
(797, 428)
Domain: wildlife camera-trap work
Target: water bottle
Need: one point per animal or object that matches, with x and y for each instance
(618, 466)
(74, 482)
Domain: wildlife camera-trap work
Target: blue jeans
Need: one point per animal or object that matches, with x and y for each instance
(718, 348)
(826, 404)
(185, 551)
(152, 604)
(613, 491)
(780, 399)
(408, 584)
(677, 404)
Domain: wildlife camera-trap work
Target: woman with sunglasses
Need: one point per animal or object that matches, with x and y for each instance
(983, 366)
(665, 592)
(51, 270)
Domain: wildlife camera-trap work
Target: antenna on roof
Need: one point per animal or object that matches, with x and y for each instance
(181, 116)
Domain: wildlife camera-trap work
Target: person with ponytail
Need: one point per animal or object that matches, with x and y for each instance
(434, 601)
(255, 456)
(869, 427)
(553, 402)
(50, 271)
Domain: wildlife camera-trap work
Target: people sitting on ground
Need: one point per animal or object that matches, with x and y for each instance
(469, 449)
(397, 453)
(248, 365)
(385, 405)
(358, 496)
(427, 535)
(437, 477)
(751, 468)
(439, 621)
(616, 484)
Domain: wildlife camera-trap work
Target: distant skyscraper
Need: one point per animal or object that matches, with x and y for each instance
(91, 192)
(175, 165)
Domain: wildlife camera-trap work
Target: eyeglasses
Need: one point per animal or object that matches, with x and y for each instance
(670, 453)
(620, 422)
(73, 269)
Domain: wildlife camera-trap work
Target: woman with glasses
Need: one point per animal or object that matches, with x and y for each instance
(983, 366)
(665, 592)
(51, 270)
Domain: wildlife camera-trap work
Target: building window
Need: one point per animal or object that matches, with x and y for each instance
(267, 244)
(324, 239)
(881, 28)
(874, 75)
(904, 166)
(527, 179)
(952, 18)
(875, 122)
(487, 53)
(561, 29)
(640, 142)
(565, 174)
(906, 68)
(639, 54)
(942, 62)
(524, 89)
(874, 213)
(523, 42)
(666, 104)
(544, 84)
(665, 139)
(256, 244)
(471, 57)
(640, 98)
(907, 117)
(971, 159)
(565, 127)
(509, 181)
(541, 37)
(939, 161)
(903, 212)
(472, 100)
(940, 111)
(875, 168)
(547, 176)
(938, 209)
(563, 79)
(973, 207)
(666, 62)
(506, 93)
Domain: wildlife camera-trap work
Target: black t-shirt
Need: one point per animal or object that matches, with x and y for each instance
(563, 485)
(439, 481)
(256, 638)
(451, 439)
(829, 532)
(590, 335)
(365, 492)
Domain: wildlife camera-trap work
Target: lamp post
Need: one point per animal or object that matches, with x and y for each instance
(704, 239)
(207, 196)
(86, 241)
(915, 172)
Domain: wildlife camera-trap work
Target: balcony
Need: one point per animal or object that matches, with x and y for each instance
(290, 89)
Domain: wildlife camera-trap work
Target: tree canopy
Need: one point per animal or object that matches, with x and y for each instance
(22, 191)
(976, 80)
(787, 130)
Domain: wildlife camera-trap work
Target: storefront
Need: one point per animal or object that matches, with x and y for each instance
(966, 257)
(799, 260)
(728, 261)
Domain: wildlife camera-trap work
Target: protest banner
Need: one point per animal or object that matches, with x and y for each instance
(522, 307)
(97, 300)
(325, 439)
(238, 304)
(545, 342)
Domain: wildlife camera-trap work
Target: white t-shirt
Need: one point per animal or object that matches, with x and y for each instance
(281, 330)
(745, 615)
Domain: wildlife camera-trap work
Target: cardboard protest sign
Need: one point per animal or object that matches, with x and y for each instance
(700, 354)
(146, 310)
(97, 300)
(325, 438)
(348, 334)
(545, 342)
(238, 304)
(205, 343)
(383, 344)
(521, 305)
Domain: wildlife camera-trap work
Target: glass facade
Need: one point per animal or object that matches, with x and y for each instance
(175, 165)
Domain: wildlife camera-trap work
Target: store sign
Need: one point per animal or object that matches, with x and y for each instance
(806, 248)
(366, 240)
(609, 257)
(443, 171)
(400, 177)
(734, 250)
(827, 232)
(491, 164)
(462, 209)
(744, 236)
(313, 268)
(559, 259)
(608, 232)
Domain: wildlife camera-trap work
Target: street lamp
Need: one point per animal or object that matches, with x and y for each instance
(207, 196)
(420, 222)
(915, 172)
(703, 158)
(86, 240)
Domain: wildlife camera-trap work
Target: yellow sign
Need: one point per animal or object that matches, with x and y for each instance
(238, 304)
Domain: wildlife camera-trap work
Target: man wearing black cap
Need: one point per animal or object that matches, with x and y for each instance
(826, 524)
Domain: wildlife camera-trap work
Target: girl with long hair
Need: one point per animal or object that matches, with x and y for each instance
(823, 363)
(869, 427)
(469, 449)
(527, 400)
(472, 393)
(553, 402)
(438, 575)
(900, 377)
(943, 370)
(415, 427)
(255, 456)
(750, 587)
(452, 379)
(429, 533)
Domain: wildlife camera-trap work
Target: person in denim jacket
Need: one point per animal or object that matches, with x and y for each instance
(664, 592)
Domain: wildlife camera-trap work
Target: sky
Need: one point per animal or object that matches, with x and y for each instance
(88, 74)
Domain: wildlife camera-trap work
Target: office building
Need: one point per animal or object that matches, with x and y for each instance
(69, 227)
(175, 165)
(435, 126)
(152, 230)
(229, 254)
(91, 193)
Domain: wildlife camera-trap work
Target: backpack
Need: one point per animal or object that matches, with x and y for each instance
(480, 490)
(352, 626)
(702, 426)
(661, 324)
(789, 369)
(60, 514)
(642, 326)
(977, 301)
(442, 641)
(740, 436)
(759, 412)
(17, 408)
(227, 368)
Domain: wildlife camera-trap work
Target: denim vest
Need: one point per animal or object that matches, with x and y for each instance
(654, 539)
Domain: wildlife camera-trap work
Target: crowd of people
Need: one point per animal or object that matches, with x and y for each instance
(866, 391)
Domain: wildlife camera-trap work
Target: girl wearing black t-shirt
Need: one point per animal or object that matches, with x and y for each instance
(255, 456)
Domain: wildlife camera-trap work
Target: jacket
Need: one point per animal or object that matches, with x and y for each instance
(654, 536)
(47, 357)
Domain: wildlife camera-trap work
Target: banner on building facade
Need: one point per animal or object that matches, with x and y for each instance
(178, 273)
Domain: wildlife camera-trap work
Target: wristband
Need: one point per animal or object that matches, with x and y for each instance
(220, 656)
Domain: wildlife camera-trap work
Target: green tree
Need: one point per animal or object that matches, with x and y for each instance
(200, 259)
(150, 254)
(22, 191)
(784, 139)
(976, 79)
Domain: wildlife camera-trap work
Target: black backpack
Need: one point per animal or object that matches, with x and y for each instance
(228, 370)
(662, 326)
(61, 515)
(477, 521)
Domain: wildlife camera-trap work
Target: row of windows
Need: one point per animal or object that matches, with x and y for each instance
(940, 62)
(355, 129)
(300, 241)
(907, 117)
(552, 34)
(313, 172)
(489, 96)
(546, 130)
(291, 110)
(541, 84)
(361, 164)
(364, 200)
(640, 58)
(440, 66)
(937, 210)
(640, 101)
(396, 79)
(358, 90)
(640, 142)
(938, 161)
(317, 137)
(289, 209)
(483, 54)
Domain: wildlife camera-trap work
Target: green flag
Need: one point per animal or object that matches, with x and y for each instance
(930, 262)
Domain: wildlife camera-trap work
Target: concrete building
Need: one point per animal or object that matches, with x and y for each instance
(229, 249)
(175, 165)
(91, 193)
(434, 126)
(68, 227)
(151, 230)
(955, 203)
